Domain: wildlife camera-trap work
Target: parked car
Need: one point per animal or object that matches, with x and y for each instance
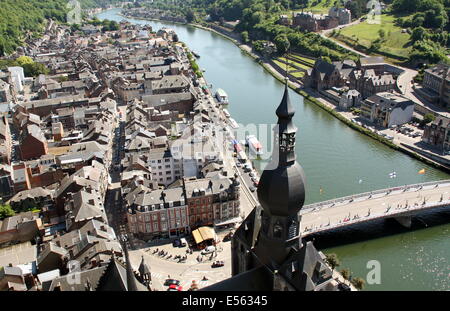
(208, 250)
(169, 282)
(217, 264)
(176, 243)
(175, 288)
(252, 189)
(183, 242)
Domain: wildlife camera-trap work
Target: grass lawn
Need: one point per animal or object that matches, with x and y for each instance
(295, 63)
(309, 61)
(396, 42)
(291, 69)
(320, 6)
(315, 6)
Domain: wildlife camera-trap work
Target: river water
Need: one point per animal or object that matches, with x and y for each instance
(336, 159)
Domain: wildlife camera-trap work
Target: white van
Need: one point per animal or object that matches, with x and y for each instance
(208, 250)
(183, 242)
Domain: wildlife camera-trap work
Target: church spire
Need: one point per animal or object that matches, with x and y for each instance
(131, 280)
(286, 129)
(281, 191)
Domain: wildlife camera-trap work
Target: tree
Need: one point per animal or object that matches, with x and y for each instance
(282, 43)
(418, 34)
(358, 283)
(333, 260)
(35, 69)
(190, 16)
(427, 118)
(6, 211)
(345, 274)
(23, 60)
(382, 34)
(245, 37)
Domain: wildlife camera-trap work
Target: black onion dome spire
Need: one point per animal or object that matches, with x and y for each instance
(285, 110)
(281, 190)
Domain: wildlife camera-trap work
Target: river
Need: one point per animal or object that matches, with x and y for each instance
(336, 159)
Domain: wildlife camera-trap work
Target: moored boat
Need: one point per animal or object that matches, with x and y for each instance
(233, 123)
(254, 145)
(222, 96)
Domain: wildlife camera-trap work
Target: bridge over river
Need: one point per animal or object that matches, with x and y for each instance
(400, 203)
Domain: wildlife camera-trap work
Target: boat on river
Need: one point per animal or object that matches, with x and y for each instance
(233, 123)
(254, 145)
(222, 96)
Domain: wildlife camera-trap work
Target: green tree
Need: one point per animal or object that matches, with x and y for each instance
(282, 43)
(6, 211)
(24, 60)
(358, 283)
(35, 69)
(190, 16)
(245, 37)
(427, 118)
(333, 260)
(345, 274)
(418, 34)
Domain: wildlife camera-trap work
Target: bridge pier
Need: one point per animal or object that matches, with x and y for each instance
(405, 221)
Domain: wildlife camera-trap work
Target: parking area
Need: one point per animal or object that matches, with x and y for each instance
(407, 133)
(204, 267)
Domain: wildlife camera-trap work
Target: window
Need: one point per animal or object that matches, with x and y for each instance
(155, 226)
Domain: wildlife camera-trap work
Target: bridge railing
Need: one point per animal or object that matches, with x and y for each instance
(393, 213)
(307, 208)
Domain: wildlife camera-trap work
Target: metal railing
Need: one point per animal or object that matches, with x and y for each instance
(330, 203)
(394, 213)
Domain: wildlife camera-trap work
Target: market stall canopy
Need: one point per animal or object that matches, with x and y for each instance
(203, 234)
